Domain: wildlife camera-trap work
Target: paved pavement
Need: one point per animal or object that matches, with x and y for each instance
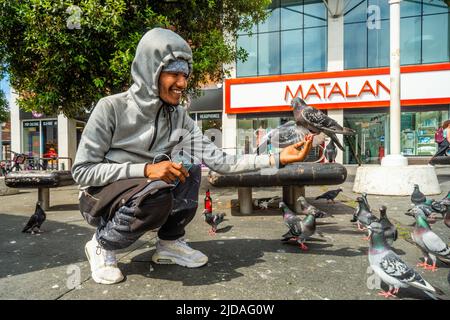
(247, 260)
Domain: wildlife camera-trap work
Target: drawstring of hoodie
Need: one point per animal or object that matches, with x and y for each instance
(167, 111)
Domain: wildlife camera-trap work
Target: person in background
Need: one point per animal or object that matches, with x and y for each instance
(443, 140)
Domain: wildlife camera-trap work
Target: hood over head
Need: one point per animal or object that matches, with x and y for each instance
(157, 48)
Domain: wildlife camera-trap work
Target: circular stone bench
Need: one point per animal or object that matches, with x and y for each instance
(440, 160)
(293, 178)
(42, 180)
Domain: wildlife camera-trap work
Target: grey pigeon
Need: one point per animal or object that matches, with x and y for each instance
(417, 197)
(36, 220)
(391, 269)
(213, 219)
(447, 219)
(364, 216)
(429, 242)
(390, 231)
(367, 206)
(427, 210)
(286, 135)
(331, 152)
(316, 121)
(330, 195)
(299, 230)
(264, 203)
(437, 206)
(445, 200)
(310, 209)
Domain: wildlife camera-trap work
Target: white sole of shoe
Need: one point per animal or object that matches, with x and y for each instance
(178, 261)
(94, 276)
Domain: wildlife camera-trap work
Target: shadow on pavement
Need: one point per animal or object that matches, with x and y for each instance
(59, 244)
(226, 257)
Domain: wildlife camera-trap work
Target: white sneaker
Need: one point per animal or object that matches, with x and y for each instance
(103, 263)
(178, 252)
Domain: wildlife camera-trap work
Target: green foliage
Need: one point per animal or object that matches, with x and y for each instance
(65, 55)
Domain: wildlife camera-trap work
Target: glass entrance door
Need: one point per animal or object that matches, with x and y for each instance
(368, 145)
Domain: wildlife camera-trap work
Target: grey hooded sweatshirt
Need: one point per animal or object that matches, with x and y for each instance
(128, 130)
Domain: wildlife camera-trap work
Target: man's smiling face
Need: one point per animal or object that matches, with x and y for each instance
(171, 85)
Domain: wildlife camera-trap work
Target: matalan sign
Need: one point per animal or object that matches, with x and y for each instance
(326, 90)
(420, 85)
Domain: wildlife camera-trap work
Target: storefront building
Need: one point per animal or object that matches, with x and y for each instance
(340, 65)
(207, 110)
(44, 136)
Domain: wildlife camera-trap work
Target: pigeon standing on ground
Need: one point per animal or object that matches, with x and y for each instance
(316, 121)
(391, 269)
(366, 202)
(427, 210)
(299, 230)
(446, 200)
(36, 220)
(331, 152)
(429, 242)
(390, 231)
(417, 197)
(330, 195)
(213, 219)
(364, 216)
(437, 206)
(310, 209)
(264, 203)
(447, 219)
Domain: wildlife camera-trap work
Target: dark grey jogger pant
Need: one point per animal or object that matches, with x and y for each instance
(169, 209)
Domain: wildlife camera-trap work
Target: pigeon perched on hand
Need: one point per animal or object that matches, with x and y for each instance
(299, 230)
(391, 269)
(36, 220)
(390, 231)
(330, 195)
(286, 135)
(417, 197)
(316, 121)
(429, 242)
(213, 219)
(331, 152)
(310, 209)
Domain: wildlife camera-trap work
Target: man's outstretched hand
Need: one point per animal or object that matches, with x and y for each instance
(297, 152)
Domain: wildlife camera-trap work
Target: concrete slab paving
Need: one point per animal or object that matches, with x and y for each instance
(247, 260)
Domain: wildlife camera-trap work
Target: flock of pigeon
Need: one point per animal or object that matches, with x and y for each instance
(382, 233)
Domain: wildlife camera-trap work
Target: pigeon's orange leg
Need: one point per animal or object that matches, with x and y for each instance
(424, 264)
(303, 247)
(388, 293)
(212, 232)
(431, 267)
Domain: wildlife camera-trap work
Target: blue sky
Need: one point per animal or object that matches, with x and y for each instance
(4, 86)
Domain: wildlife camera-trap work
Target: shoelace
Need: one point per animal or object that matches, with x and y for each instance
(110, 256)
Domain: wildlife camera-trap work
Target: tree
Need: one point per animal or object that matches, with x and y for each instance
(64, 56)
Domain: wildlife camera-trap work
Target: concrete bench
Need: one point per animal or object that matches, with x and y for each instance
(293, 178)
(440, 160)
(42, 180)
